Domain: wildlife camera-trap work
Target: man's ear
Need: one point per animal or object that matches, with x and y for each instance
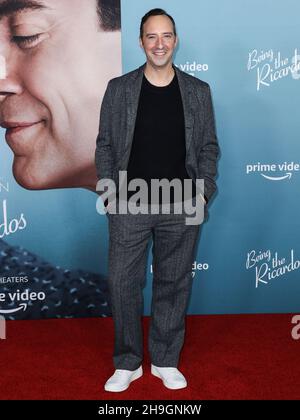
(141, 43)
(176, 41)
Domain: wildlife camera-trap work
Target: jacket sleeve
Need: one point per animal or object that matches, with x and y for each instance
(103, 154)
(104, 161)
(210, 150)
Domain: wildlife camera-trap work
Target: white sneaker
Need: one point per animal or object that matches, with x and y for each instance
(121, 379)
(171, 377)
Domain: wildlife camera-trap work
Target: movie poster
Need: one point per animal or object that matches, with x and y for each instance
(56, 58)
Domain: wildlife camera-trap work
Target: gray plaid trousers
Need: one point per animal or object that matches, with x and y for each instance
(174, 248)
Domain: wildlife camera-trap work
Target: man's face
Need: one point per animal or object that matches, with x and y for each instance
(158, 41)
(55, 63)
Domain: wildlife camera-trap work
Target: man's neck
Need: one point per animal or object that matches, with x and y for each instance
(159, 76)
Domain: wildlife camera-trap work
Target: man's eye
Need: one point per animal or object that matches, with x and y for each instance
(25, 41)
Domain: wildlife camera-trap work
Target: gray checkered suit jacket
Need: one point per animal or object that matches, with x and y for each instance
(117, 123)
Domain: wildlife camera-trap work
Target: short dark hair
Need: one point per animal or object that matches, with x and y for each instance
(109, 13)
(156, 12)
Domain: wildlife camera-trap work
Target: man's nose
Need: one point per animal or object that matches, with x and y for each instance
(8, 81)
(159, 42)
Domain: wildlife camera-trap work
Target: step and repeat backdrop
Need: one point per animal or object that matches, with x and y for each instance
(55, 62)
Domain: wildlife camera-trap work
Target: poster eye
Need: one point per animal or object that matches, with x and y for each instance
(25, 41)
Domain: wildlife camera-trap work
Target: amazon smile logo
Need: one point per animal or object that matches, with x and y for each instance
(22, 306)
(273, 171)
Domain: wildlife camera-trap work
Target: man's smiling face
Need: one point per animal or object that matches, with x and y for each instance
(158, 41)
(55, 63)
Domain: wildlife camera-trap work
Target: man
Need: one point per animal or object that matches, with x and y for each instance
(156, 122)
(56, 57)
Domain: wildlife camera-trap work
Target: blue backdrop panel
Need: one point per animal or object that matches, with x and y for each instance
(249, 53)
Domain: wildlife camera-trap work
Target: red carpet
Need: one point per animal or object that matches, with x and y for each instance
(224, 357)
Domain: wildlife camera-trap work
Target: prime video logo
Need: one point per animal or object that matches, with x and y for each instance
(273, 171)
(192, 68)
(21, 298)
